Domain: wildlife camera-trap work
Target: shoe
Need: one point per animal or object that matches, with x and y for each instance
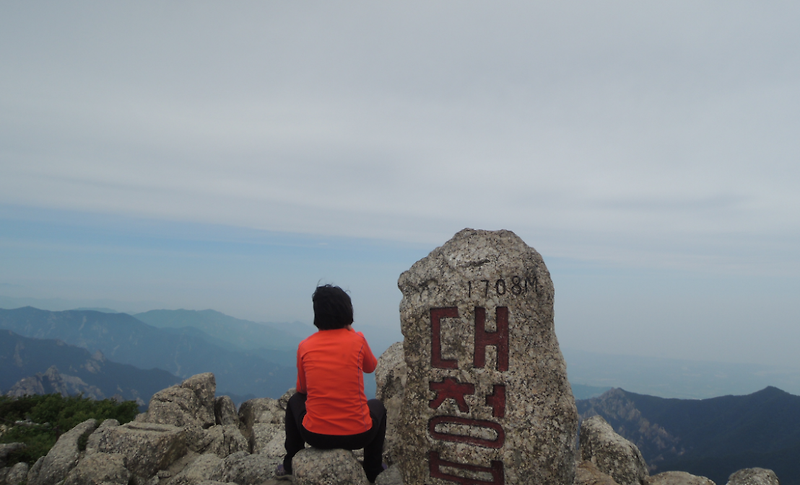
(282, 474)
(384, 467)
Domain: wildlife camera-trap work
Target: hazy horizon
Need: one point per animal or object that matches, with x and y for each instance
(206, 155)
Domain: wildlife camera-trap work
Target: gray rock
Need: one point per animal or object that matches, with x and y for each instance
(260, 410)
(588, 474)
(268, 439)
(100, 469)
(62, 457)
(14, 475)
(204, 386)
(93, 441)
(197, 439)
(283, 401)
(392, 476)
(611, 453)
(246, 469)
(8, 448)
(390, 377)
(176, 406)
(206, 467)
(678, 478)
(34, 470)
(225, 411)
(327, 467)
(224, 441)
(505, 408)
(754, 476)
(147, 447)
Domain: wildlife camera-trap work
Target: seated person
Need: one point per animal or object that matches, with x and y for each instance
(329, 409)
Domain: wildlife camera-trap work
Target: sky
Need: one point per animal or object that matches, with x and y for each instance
(234, 155)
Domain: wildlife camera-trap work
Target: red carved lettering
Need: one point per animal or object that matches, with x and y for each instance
(496, 443)
(436, 337)
(451, 388)
(497, 400)
(436, 464)
(498, 338)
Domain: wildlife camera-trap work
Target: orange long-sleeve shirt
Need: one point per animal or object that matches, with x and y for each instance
(330, 371)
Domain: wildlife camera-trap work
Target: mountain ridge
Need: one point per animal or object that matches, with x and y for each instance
(25, 358)
(125, 339)
(707, 437)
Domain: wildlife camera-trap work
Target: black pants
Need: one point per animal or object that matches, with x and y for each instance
(372, 441)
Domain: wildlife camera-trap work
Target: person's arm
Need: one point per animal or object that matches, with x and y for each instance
(369, 362)
(301, 375)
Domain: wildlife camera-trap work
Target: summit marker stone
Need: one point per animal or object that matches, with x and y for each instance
(486, 401)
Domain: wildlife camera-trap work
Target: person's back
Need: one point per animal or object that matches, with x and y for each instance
(330, 409)
(331, 366)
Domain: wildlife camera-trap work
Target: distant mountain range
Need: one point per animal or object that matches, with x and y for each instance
(78, 371)
(58, 350)
(685, 379)
(280, 344)
(182, 352)
(708, 437)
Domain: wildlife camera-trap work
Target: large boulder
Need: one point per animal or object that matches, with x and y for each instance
(15, 475)
(390, 377)
(224, 440)
(225, 411)
(147, 447)
(268, 439)
(486, 391)
(190, 403)
(205, 467)
(754, 476)
(327, 467)
(588, 474)
(245, 469)
(62, 457)
(678, 478)
(611, 453)
(100, 469)
(260, 410)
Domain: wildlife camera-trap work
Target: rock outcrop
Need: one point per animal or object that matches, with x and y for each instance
(187, 437)
(146, 453)
(100, 468)
(611, 453)
(390, 378)
(62, 457)
(486, 386)
(190, 403)
(588, 474)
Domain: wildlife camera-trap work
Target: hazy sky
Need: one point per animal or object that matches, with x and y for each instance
(232, 155)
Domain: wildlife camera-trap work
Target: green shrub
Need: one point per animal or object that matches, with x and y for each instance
(50, 415)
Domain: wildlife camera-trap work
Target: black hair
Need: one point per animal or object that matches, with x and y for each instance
(332, 308)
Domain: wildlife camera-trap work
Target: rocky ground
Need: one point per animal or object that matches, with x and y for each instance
(189, 436)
